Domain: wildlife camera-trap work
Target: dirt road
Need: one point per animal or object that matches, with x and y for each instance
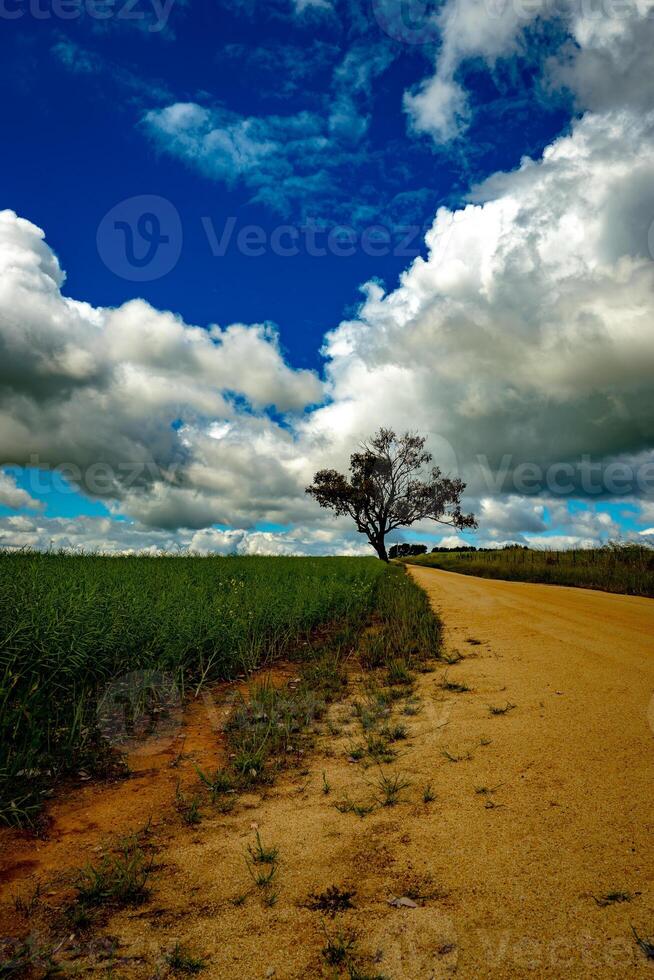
(572, 818)
(508, 834)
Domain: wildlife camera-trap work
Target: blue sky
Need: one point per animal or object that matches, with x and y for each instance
(284, 123)
(79, 94)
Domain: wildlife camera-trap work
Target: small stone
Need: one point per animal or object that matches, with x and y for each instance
(402, 903)
(254, 825)
(271, 971)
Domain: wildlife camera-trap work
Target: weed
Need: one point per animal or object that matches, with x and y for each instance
(119, 879)
(339, 947)
(372, 708)
(378, 748)
(459, 687)
(398, 673)
(646, 945)
(499, 710)
(225, 804)
(270, 724)
(452, 658)
(78, 916)
(487, 790)
(262, 863)
(428, 794)
(347, 805)
(182, 962)
(420, 887)
(613, 898)
(354, 972)
(221, 782)
(261, 854)
(389, 788)
(331, 901)
(357, 752)
(189, 810)
(21, 957)
(262, 876)
(394, 733)
(326, 676)
(374, 650)
(465, 756)
(326, 785)
(27, 906)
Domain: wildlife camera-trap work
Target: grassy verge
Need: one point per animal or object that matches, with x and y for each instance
(272, 727)
(72, 626)
(627, 569)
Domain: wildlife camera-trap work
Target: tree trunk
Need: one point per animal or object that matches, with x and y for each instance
(380, 548)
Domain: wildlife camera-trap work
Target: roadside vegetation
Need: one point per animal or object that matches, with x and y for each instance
(71, 627)
(273, 728)
(358, 672)
(627, 569)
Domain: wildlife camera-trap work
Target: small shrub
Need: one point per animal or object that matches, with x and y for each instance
(331, 901)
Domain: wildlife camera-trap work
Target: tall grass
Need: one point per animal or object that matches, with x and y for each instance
(626, 569)
(69, 625)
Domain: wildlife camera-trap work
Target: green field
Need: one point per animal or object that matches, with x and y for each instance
(626, 569)
(71, 625)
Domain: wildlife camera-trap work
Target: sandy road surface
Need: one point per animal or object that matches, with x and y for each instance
(505, 881)
(574, 762)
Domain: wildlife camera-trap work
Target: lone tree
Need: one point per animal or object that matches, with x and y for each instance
(385, 491)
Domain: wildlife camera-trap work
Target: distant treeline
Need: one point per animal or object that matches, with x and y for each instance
(411, 550)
